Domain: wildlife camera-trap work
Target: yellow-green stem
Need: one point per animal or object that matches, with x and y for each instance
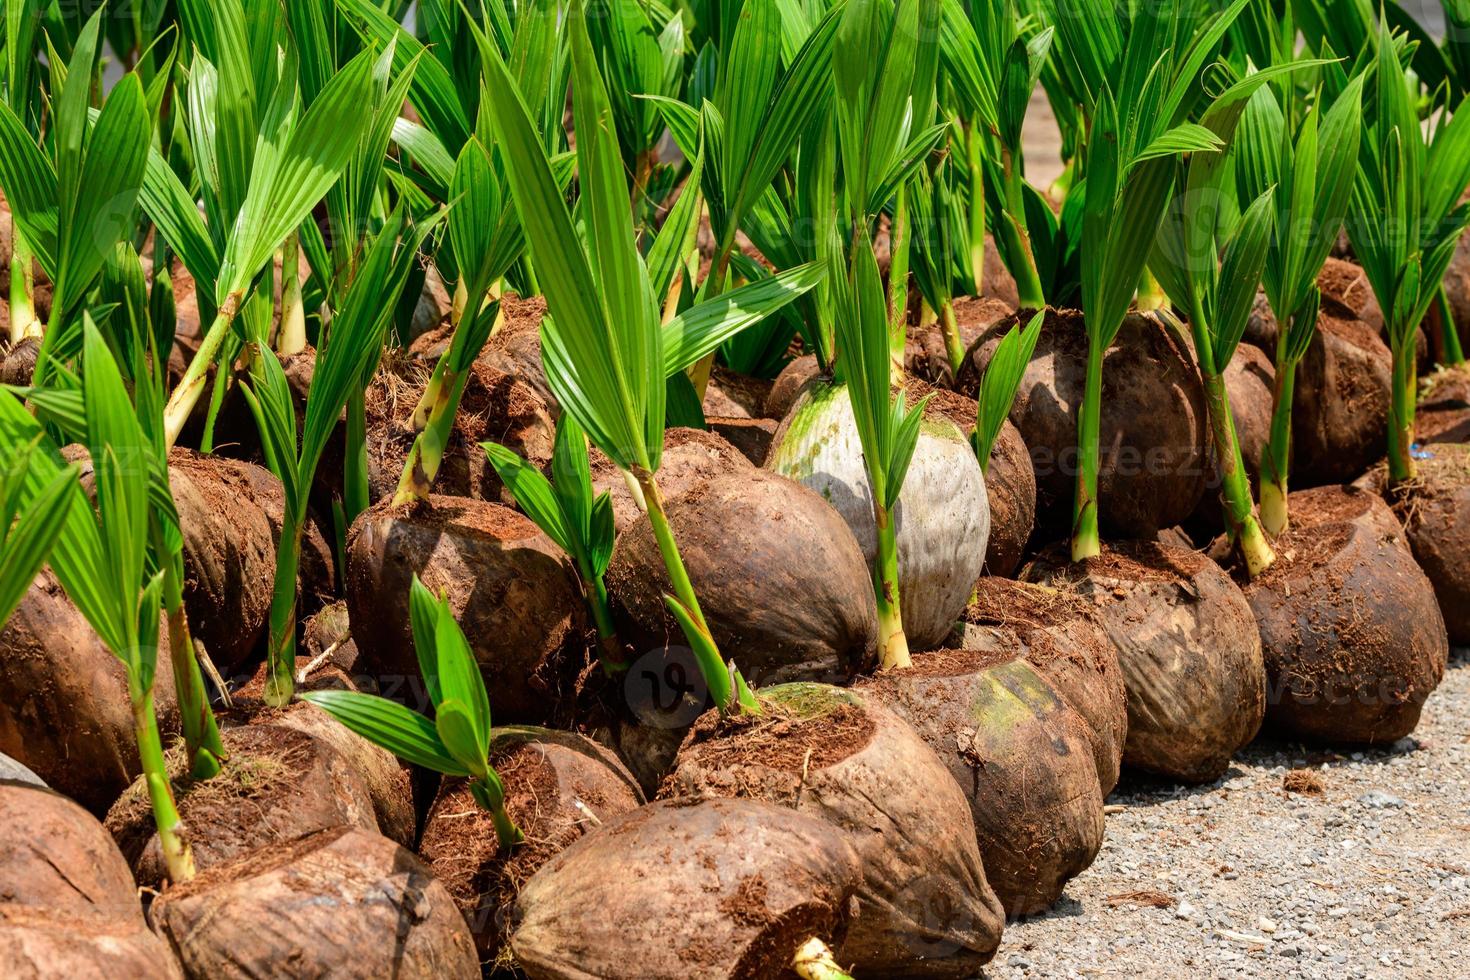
(814, 961)
(893, 643)
(954, 344)
(186, 395)
(178, 857)
(898, 283)
(1401, 466)
(292, 336)
(1276, 457)
(1086, 542)
(23, 320)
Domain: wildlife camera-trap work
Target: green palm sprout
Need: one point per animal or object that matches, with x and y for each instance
(457, 741)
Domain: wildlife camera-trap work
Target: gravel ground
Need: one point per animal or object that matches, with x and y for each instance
(1362, 871)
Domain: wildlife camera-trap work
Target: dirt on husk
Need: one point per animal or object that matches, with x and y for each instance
(559, 787)
(691, 458)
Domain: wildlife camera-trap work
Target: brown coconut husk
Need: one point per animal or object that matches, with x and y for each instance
(926, 352)
(64, 706)
(691, 458)
(1189, 649)
(513, 591)
(789, 384)
(1061, 635)
(733, 395)
(278, 784)
(752, 436)
(1020, 753)
(925, 907)
(495, 407)
(723, 888)
(1435, 511)
(1352, 635)
(342, 902)
(18, 362)
(559, 787)
(1011, 486)
(68, 905)
(781, 580)
(1154, 427)
(386, 779)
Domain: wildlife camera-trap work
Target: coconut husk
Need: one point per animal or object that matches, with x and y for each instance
(68, 905)
(722, 888)
(64, 706)
(513, 591)
(278, 784)
(1011, 486)
(925, 907)
(1154, 424)
(1061, 635)
(1020, 753)
(926, 352)
(691, 458)
(1189, 649)
(342, 902)
(788, 597)
(559, 787)
(1352, 635)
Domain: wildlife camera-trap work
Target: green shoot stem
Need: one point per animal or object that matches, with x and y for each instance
(489, 793)
(716, 677)
(1150, 294)
(954, 343)
(1086, 543)
(1013, 227)
(201, 730)
(23, 320)
(427, 454)
(177, 855)
(355, 489)
(186, 395)
(1452, 353)
(281, 655)
(977, 203)
(814, 961)
(1276, 459)
(901, 242)
(1401, 467)
(893, 644)
(292, 336)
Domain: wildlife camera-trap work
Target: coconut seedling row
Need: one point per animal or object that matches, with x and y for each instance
(374, 370)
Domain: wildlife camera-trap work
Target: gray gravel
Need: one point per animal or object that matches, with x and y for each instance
(1365, 874)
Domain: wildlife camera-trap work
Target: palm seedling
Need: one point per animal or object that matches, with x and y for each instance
(1139, 74)
(262, 162)
(353, 343)
(1211, 271)
(605, 352)
(1405, 222)
(998, 386)
(102, 554)
(21, 98)
(73, 205)
(456, 742)
(1313, 174)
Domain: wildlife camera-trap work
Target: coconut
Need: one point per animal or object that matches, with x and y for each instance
(1010, 484)
(13, 772)
(1061, 635)
(926, 351)
(343, 902)
(724, 888)
(1154, 423)
(1023, 756)
(926, 908)
(752, 436)
(277, 784)
(789, 385)
(18, 363)
(513, 591)
(1343, 384)
(1189, 649)
(1435, 511)
(943, 515)
(1353, 638)
(691, 458)
(559, 786)
(780, 579)
(64, 706)
(68, 905)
